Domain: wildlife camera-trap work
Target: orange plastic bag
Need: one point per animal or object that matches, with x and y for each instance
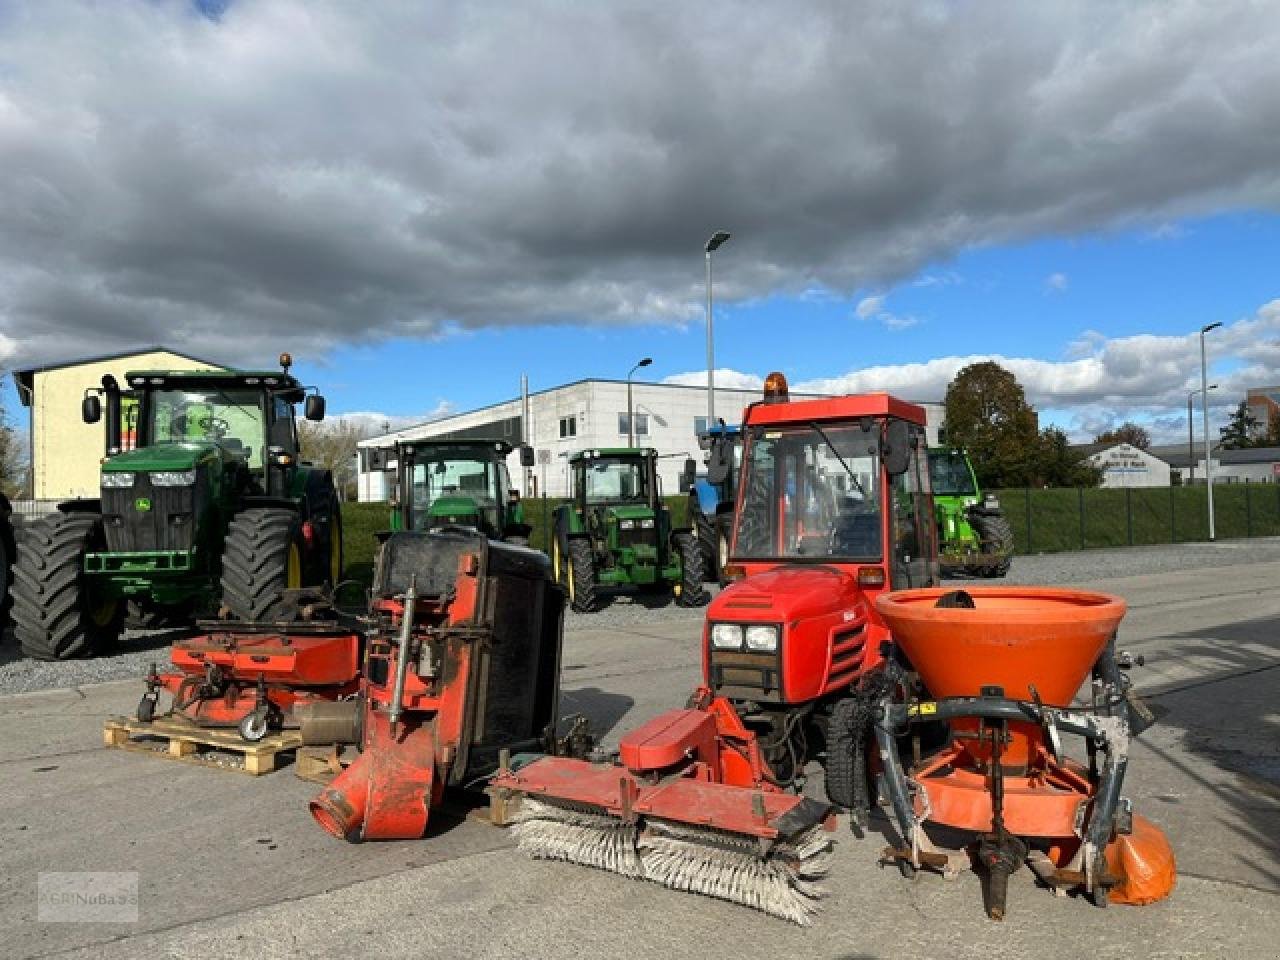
(1144, 862)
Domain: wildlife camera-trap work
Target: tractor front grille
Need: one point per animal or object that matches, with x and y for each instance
(636, 537)
(147, 517)
(746, 675)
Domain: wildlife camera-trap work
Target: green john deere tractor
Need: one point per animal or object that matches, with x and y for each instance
(459, 483)
(974, 537)
(616, 532)
(204, 506)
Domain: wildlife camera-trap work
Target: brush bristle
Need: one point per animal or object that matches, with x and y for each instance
(784, 883)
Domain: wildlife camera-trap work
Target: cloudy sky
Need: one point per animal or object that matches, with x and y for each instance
(423, 201)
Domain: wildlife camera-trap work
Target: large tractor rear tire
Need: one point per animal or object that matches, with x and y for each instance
(261, 559)
(56, 616)
(704, 530)
(996, 535)
(582, 577)
(8, 553)
(691, 593)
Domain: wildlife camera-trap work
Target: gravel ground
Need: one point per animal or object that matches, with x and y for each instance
(139, 649)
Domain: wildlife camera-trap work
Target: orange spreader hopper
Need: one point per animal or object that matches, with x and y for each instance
(1003, 665)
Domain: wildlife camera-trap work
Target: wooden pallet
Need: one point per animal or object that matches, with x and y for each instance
(182, 740)
(320, 764)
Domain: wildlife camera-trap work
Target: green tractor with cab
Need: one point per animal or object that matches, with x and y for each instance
(616, 532)
(204, 507)
(974, 536)
(465, 483)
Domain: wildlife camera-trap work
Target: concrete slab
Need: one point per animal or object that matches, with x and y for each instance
(233, 866)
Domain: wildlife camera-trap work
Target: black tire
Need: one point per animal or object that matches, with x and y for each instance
(55, 617)
(704, 531)
(841, 772)
(8, 553)
(996, 535)
(724, 530)
(261, 558)
(581, 576)
(692, 593)
(334, 560)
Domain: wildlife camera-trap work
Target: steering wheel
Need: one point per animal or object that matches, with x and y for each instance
(215, 427)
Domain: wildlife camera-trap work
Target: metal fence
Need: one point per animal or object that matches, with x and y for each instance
(1050, 520)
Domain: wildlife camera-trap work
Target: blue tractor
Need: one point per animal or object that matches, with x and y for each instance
(713, 494)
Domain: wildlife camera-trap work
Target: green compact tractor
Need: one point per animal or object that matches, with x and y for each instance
(974, 536)
(616, 532)
(465, 483)
(207, 507)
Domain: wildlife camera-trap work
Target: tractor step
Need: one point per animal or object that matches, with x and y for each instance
(181, 740)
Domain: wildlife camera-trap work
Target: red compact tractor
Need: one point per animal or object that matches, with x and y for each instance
(834, 517)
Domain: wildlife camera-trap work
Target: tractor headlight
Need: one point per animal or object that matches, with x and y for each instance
(174, 478)
(762, 639)
(647, 524)
(117, 480)
(991, 502)
(726, 636)
(627, 525)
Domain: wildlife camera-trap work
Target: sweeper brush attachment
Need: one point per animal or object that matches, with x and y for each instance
(689, 806)
(783, 882)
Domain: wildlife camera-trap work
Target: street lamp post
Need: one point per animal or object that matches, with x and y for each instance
(717, 239)
(1204, 407)
(631, 426)
(1191, 433)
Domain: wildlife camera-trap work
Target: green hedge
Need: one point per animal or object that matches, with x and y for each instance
(1051, 520)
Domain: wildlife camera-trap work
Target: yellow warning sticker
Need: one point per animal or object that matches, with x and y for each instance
(922, 709)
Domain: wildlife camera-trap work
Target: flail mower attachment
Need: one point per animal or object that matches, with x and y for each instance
(689, 804)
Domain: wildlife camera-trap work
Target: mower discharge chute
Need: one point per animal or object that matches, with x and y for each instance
(462, 663)
(832, 511)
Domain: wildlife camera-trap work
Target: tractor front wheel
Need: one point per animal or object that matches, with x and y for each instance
(262, 558)
(704, 530)
(996, 536)
(57, 612)
(692, 593)
(582, 577)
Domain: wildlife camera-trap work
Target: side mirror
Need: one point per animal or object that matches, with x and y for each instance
(91, 408)
(895, 447)
(313, 409)
(688, 476)
(527, 458)
(720, 462)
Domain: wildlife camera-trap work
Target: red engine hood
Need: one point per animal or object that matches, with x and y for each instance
(787, 594)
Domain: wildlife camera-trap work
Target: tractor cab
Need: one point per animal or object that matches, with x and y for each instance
(459, 483)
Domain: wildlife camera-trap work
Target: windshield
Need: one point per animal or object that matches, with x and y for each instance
(445, 473)
(810, 492)
(949, 473)
(230, 417)
(611, 480)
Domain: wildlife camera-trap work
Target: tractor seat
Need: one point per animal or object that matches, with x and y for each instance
(857, 535)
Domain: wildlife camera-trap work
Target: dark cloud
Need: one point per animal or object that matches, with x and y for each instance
(355, 171)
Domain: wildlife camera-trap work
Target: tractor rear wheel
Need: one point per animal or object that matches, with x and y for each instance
(996, 535)
(691, 593)
(704, 529)
(581, 576)
(8, 553)
(55, 609)
(261, 558)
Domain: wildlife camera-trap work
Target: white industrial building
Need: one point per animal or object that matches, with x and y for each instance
(583, 415)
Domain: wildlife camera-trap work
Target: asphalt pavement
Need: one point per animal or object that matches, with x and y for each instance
(233, 866)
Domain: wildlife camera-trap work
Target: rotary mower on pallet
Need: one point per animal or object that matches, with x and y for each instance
(803, 660)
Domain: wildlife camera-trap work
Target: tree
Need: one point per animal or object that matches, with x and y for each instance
(333, 444)
(1241, 430)
(1059, 465)
(988, 415)
(12, 469)
(1128, 432)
